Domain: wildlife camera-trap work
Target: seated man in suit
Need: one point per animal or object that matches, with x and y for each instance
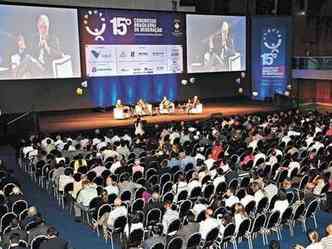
(53, 242)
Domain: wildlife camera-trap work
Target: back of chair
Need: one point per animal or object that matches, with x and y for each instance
(158, 245)
(36, 242)
(250, 207)
(19, 206)
(175, 243)
(287, 215)
(106, 208)
(208, 191)
(173, 227)
(195, 192)
(119, 224)
(262, 205)
(221, 188)
(244, 227)
(201, 216)
(312, 208)
(153, 216)
(299, 211)
(290, 197)
(303, 182)
(258, 223)
(136, 237)
(272, 220)
(211, 236)
(184, 208)
(182, 195)
(138, 205)
(6, 220)
(228, 232)
(194, 241)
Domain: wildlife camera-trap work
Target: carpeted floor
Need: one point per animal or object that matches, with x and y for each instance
(81, 237)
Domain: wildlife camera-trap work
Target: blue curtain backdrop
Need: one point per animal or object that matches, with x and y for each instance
(152, 88)
(271, 55)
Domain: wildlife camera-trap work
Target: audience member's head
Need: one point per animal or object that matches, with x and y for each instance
(274, 244)
(313, 236)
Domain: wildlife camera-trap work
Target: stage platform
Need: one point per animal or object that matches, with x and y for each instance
(88, 119)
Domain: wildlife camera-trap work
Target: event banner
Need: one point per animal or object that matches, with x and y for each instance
(126, 43)
(271, 55)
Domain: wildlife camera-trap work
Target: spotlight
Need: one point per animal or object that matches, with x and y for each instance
(287, 93)
(240, 90)
(238, 80)
(289, 87)
(254, 93)
(84, 84)
(243, 75)
(184, 82)
(79, 91)
(192, 80)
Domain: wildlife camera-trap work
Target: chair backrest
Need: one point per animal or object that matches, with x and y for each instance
(138, 205)
(273, 201)
(105, 208)
(167, 187)
(244, 182)
(241, 193)
(303, 182)
(195, 192)
(153, 216)
(312, 208)
(23, 214)
(208, 191)
(287, 215)
(165, 178)
(19, 206)
(290, 197)
(228, 232)
(139, 193)
(250, 207)
(244, 227)
(221, 188)
(184, 208)
(23, 243)
(211, 236)
(136, 237)
(173, 227)
(36, 242)
(169, 196)
(201, 216)
(258, 223)
(194, 241)
(273, 219)
(150, 172)
(262, 204)
(158, 245)
(119, 224)
(175, 243)
(233, 184)
(6, 220)
(299, 211)
(182, 195)
(125, 196)
(7, 189)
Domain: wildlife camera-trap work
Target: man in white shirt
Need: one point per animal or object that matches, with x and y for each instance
(230, 199)
(209, 162)
(326, 242)
(65, 179)
(208, 224)
(271, 190)
(169, 216)
(88, 192)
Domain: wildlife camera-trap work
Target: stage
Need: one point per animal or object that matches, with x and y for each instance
(88, 119)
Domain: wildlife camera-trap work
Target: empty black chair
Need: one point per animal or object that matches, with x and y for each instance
(6, 219)
(164, 178)
(195, 193)
(158, 245)
(135, 238)
(257, 227)
(208, 191)
(272, 225)
(175, 243)
(182, 195)
(184, 208)
(36, 242)
(173, 228)
(221, 188)
(167, 187)
(118, 227)
(211, 237)
(242, 231)
(169, 196)
(19, 206)
(310, 212)
(290, 198)
(153, 216)
(201, 216)
(228, 234)
(194, 241)
(273, 201)
(262, 205)
(286, 219)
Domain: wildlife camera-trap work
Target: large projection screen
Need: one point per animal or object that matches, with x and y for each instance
(216, 43)
(38, 43)
(130, 43)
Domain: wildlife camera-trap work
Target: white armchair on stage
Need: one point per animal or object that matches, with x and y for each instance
(163, 110)
(139, 111)
(119, 113)
(197, 109)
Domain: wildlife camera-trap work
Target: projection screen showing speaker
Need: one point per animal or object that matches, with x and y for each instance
(38, 43)
(216, 43)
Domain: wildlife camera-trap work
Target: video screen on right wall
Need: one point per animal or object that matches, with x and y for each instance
(216, 43)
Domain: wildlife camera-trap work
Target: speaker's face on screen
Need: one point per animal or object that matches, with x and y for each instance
(43, 25)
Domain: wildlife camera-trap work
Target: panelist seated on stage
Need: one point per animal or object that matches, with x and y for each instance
(142, 108)
(166, 106)
(194, 105)
(121, 111)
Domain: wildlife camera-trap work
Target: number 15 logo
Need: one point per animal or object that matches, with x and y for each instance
(120, 25)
